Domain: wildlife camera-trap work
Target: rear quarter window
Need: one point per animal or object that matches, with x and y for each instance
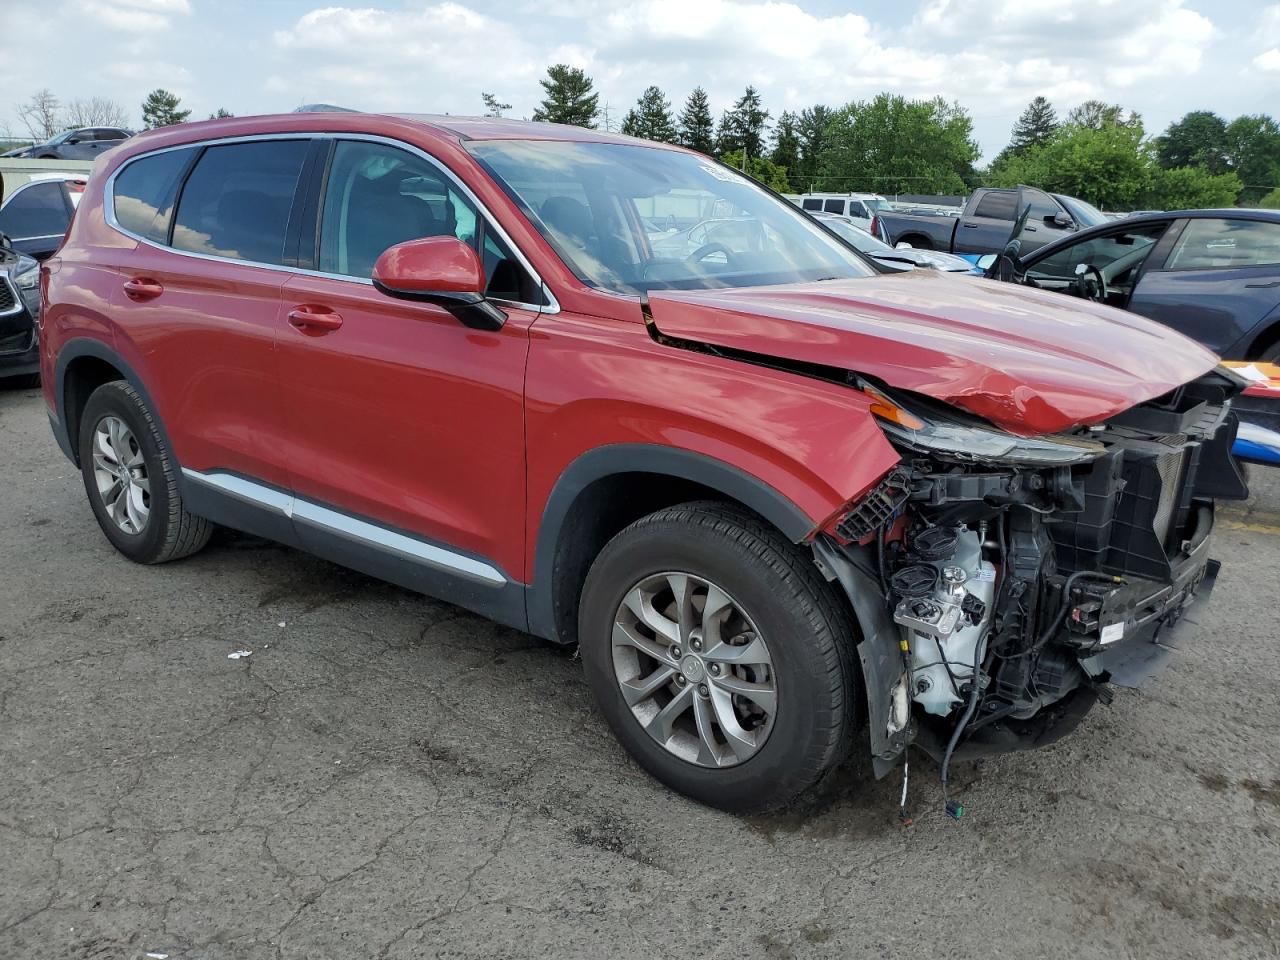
(39, 210)
(143, 193)
(1208, 244)
(998, 206)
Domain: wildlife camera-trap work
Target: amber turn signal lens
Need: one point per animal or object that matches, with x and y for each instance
(886, 409)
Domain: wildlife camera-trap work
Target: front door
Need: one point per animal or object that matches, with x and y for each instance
(404, 422)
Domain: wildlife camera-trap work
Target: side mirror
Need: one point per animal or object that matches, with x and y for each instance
(1060, 220)
(439, 270)
(73, 141)
(902, 245)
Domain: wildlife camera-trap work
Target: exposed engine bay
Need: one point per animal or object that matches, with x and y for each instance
(1004, 583)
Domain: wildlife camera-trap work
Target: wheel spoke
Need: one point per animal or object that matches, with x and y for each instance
(761, 694)
(741, 742)
(682, 590)
(114, 500)
(137, 510)
(101, 462)
(102, 447)
(640, 603)
(714, 611)
(143, 483)
(635, 691)
(626, 636)
(753, 652)
(708, 747)
(663, 722)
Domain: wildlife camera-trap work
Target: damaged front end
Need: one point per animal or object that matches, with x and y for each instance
(1002, 583)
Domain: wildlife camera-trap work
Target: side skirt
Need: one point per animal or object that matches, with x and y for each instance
(375, 549)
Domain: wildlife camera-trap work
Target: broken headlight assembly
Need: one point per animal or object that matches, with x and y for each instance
(922, 426)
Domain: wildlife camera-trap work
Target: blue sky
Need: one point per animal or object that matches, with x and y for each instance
(1159, 57)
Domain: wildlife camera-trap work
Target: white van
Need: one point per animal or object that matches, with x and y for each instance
(858, 207)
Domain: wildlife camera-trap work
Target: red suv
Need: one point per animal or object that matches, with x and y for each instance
(617, 395)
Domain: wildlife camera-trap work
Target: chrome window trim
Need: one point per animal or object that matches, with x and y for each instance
(350, 527)
(109, 211)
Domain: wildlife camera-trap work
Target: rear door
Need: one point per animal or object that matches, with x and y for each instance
(406, 427)
(199, 296)
(987, 229)
(1219, 282)
(1041, 227)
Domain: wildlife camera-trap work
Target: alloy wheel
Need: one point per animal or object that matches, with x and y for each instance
(120, 473)
(694, 670)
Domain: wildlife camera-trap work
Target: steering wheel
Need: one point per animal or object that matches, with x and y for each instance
(1097, 292)
(707, 249)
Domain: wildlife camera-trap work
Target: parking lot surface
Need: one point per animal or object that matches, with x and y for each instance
(387, 776)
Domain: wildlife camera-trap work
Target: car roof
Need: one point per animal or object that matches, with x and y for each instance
(446, 127)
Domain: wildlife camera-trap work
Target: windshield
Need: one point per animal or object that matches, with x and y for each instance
(857, 237)
(878, 204)
(630, 219)
(1085, 214)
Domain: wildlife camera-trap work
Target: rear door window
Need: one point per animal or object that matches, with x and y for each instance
(998, 205)
(833, 206)
(1212, 243)
(39, 210)
(237, 200)
(143, 193)
(812, 203)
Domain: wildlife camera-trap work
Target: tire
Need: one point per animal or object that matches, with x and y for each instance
(1270, 354)
(776, 590)
(166, 531)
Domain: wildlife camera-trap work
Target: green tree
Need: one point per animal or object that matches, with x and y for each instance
(570, 97)
(786, 142)
(221, 114)
(1271, 201)
(1109, 166)
(894, 145)
(1199, 139)
(760, 168)
(1191, 188)
(650, 118)
(1253, 152)
(696, 128)
(1095, 115)
(811, 129)
(160, 109)
(1035, 128)
(493, 107)
(743, 127)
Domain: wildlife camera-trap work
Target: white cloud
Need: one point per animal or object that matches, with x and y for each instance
(132, 15)
(1268, 61)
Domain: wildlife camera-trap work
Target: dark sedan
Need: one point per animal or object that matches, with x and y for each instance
(1213, 275)
(86, 143)
(19, 309)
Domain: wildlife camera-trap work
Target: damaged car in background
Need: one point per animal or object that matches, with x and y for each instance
(772, 493)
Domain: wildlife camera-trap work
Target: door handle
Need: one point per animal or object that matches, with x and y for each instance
(1264, 286)
(313, 319)
(1031, 229)
(142, 288)
(969, 226)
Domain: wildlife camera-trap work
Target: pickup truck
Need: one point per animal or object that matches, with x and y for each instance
(987, 221)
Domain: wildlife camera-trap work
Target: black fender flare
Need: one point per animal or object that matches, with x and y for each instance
(605, 461)
(78, 348)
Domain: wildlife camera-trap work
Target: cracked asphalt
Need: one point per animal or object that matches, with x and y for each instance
(386, 776)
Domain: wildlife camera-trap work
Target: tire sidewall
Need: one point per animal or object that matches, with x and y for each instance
(805, 705)
(119, 400)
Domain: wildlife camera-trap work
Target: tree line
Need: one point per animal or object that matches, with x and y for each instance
(43, 116)
(890, 144)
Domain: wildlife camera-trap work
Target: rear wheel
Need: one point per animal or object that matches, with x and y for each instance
(131, 481)
(719, 656)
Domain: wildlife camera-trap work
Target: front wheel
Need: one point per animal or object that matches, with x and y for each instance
(719, 656)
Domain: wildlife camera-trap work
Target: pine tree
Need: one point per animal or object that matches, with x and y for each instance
(811, 128)
(696, 128)
(726, 139)
(786, 142)
(222, 113)
(650, 118)
(744, 125)
(492, 106)
(1035, 127)
(160, 109)
(569, 97)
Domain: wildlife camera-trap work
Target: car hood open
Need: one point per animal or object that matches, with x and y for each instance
(1028, 360)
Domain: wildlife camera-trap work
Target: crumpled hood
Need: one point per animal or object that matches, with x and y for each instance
(1029, 360)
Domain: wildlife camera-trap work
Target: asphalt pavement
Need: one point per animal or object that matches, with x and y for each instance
(386, 776)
